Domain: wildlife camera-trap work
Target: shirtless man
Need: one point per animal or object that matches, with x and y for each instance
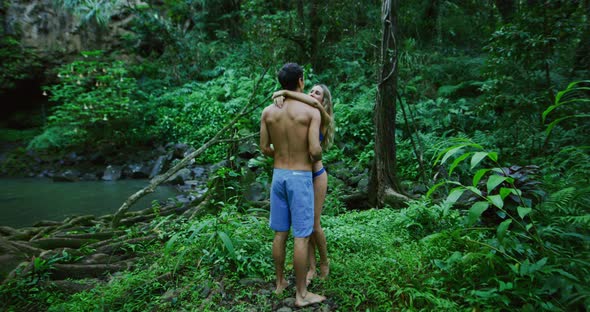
(294, 134)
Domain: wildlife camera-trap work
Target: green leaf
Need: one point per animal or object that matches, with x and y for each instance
(505, 191)
(227, 243)
(555, 122)
(477, 157)
(478, 175)
(523, 211)
(474, 190)
(475, 212)
(501, 232)
(493, 181)
(493, 156)
(170, 243)
(457, 161)
(454, 195)
(434, 187)
(451, 153)
(496, 200)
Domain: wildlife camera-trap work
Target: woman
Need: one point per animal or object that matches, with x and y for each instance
(320, 98)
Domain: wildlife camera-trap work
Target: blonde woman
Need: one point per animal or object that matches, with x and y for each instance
(320, 98)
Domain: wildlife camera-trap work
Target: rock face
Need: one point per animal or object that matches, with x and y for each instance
(48, 27)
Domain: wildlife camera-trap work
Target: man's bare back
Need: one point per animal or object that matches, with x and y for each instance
(294, 132)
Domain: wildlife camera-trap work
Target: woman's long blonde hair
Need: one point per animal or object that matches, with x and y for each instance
(329, 107)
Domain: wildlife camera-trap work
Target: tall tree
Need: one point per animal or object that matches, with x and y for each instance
(384, 187)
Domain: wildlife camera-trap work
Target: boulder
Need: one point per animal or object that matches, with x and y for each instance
(255, 192)
(69, 175)
(157, 168)
(112, 173)
(137, 171)
(179, 150)
(179, 177)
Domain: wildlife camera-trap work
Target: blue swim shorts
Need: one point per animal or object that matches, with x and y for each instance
(291, 202)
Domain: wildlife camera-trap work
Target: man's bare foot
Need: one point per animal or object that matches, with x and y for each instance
(324, 269)
(310, 298)
(281, 286)
(310, 275)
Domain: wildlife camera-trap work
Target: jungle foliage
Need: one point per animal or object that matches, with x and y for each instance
(492, 136)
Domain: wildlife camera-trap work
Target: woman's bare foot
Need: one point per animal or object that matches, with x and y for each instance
(310, 298)
(310, 275)
(281, 286)
(324, 269)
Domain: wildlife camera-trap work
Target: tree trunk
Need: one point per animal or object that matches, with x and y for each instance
(314, 30)
(384, 186)
(506, 9)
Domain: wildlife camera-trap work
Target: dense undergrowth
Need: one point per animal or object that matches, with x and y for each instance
(424, 257)
(492, 140)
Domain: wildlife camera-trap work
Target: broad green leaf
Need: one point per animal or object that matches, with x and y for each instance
(496, 200)
(451, 153)
(170, 243)
(493, 181)
(505, 191)
(529, 226)
(523, 211)
(478, 175)
(228, 243)
(538, 265)
(501, 232)
(434, 187)
(457, 161)
(493, 156)
(454, 195)
(477, 157)
(555, 122)
(474, 190)
(475, 212)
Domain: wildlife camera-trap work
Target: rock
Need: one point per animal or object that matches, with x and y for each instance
(255, 192)
(179, 177)
(179, 150)
(213, 169)
(249, 281)
(199, 172)
(248, 150)
(363, 185)
(69, 175)
(137, 171)
(171, 295)
(289, 302)
(89, 177)
(285, 309)
(112, 173)
(157, 166)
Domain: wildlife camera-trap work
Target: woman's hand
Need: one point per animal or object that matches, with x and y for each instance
(278, 98)
(279, 101)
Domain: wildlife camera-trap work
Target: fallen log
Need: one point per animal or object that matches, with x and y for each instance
(80, 271)
(124, 245)
(71, 287)
(81, 220)
(98, 235)
(60, 242)
(185, 161)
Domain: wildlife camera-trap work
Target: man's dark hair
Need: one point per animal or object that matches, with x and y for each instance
(289, 76)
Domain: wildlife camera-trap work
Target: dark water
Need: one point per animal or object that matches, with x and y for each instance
(23, 202)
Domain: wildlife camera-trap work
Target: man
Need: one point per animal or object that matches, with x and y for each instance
(293, 131)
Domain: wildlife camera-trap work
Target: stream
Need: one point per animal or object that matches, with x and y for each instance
(25, 201)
